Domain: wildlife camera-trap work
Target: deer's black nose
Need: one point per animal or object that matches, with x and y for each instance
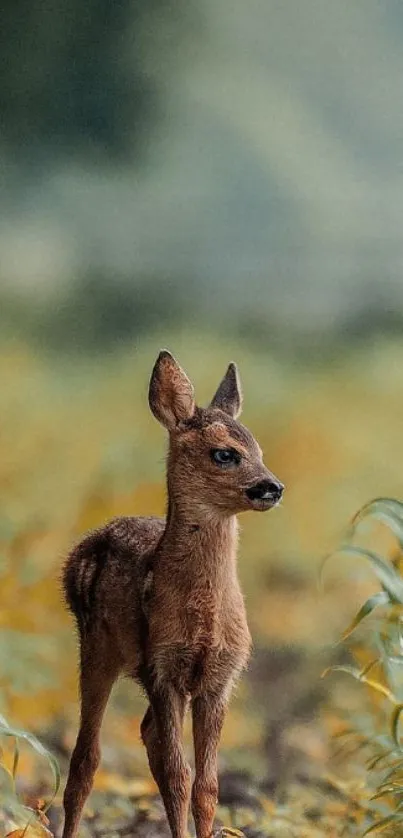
(265, 490)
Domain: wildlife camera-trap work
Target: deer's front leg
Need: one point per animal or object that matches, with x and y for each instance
(162, 734)
(208, 716)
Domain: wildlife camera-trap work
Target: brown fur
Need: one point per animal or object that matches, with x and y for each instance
(159, 600)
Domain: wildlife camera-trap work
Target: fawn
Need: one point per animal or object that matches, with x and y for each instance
(159, 600)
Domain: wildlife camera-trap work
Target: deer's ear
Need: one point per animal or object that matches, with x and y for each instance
(229, 394)
(171, 395)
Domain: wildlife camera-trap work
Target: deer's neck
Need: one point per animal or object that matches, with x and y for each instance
(199, 547)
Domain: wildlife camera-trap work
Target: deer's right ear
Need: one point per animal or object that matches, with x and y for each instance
(229, 394)
(171, 395)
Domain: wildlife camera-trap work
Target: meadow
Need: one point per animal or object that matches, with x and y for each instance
(78, 446)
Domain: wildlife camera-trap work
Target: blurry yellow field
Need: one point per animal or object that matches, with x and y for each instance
(78, 445)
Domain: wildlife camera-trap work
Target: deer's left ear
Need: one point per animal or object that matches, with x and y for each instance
(229, 394)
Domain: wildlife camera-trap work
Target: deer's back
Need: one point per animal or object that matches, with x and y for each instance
(103, 580)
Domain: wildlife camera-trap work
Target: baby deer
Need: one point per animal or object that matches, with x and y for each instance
(159, 600)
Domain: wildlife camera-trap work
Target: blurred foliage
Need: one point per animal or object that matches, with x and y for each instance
(97, 312)
(93, 314)
(143, 154)
(82, 77)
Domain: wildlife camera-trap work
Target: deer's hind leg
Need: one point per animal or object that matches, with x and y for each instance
(99, 670)
(161, 732)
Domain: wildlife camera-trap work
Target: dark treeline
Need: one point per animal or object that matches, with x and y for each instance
(78, 76)
(95, 314)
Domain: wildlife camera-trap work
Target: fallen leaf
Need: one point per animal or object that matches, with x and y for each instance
(34, 830)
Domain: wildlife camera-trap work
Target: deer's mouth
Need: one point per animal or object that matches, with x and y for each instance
(263, 504)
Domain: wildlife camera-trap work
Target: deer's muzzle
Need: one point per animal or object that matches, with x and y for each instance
(265, 493)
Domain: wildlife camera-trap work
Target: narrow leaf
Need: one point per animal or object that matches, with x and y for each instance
(389, 506)
(379, 688)
(379, 826)
(368, 666)
(394, 723)
(359, 676)
(7, 730)
(390, 580)
(16, 758)
(380, 598)
(8, 776)
(386, 791)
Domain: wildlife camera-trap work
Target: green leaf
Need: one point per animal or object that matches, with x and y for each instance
(390, 508)
(374, 762)
(360, 675)
(16, 758)
(378, 599)
(394, 768)
(384, 791)
(379, 826)
(387, 575)
(394, 723)
(367, 668)
(394, 524)
(7, 730)
(9, 777)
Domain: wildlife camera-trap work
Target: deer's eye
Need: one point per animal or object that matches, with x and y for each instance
(225, 456)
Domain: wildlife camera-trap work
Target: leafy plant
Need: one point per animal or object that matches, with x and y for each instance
(382, 648)
(24, 814)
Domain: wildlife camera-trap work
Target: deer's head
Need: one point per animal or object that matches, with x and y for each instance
(215, 464)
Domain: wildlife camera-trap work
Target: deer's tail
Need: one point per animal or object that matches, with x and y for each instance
(82, 572)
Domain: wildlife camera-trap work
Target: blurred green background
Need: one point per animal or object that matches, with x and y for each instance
(223, 179)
